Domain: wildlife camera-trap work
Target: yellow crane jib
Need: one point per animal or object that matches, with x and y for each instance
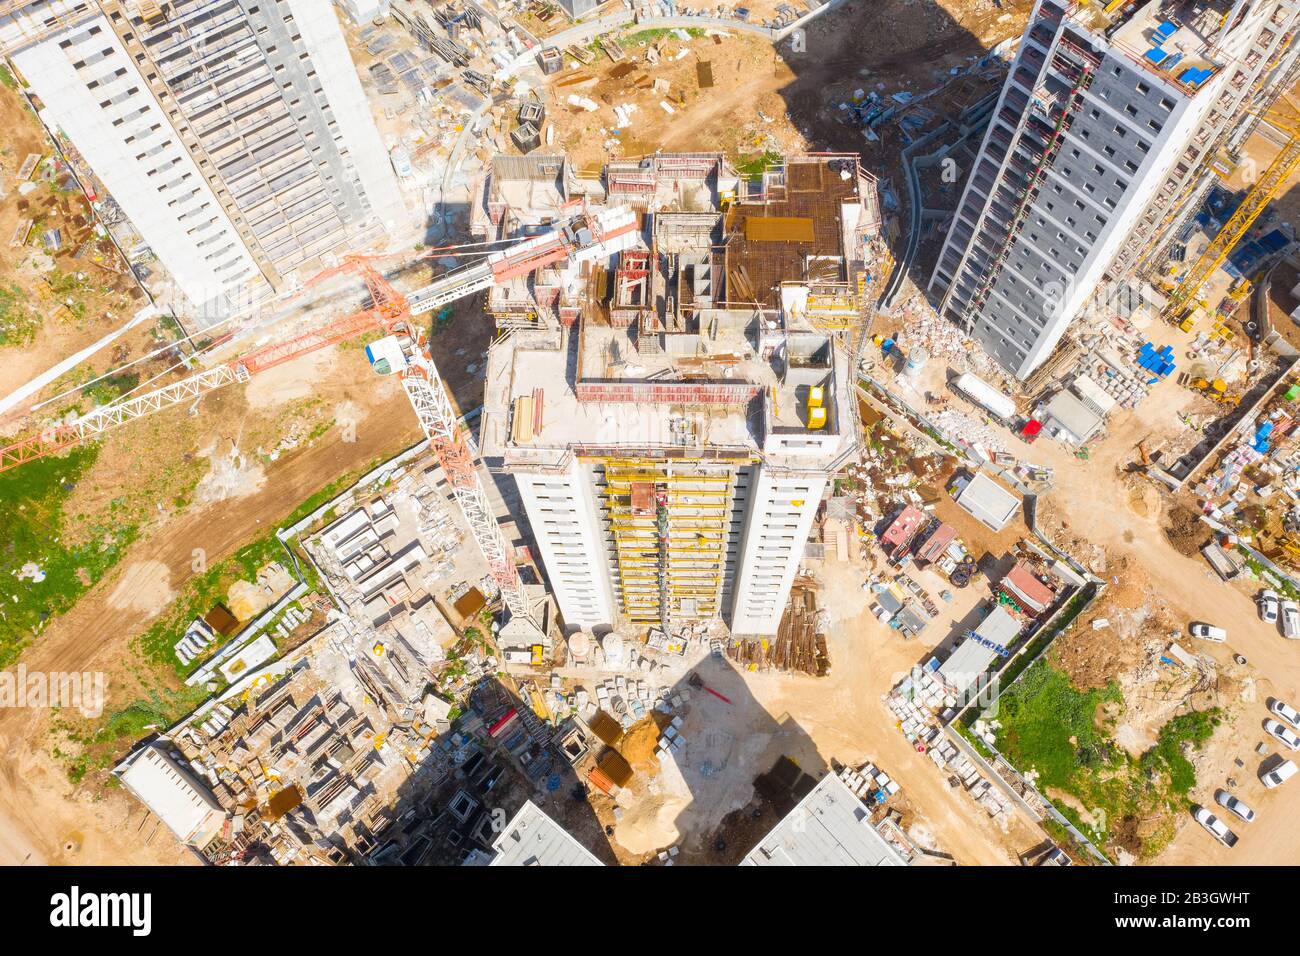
(1287, 120)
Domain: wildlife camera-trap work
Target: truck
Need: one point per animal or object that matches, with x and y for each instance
(986, 396)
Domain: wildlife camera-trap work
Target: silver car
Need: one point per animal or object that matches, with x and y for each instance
(1291, 620)
(1284, 710)
(1233, 805)
(1276, 730)
(1268, 605)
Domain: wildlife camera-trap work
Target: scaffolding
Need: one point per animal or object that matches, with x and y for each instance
(669, 524)
(1080, 74)
(1251, 82)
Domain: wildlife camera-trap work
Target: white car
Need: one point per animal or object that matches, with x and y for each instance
(1208, 632)
(1216, 827)
(1233, 805)
(1291, 620)
(1284, 710)
(1268, 605)
(1275, 729)
(1278, 775)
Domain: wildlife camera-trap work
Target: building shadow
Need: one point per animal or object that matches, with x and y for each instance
(702, 776)
(476, 775)
(727, 770)
(947, 82)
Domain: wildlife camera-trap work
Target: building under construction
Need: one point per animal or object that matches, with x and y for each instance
(234, 135)
(1101, 144)
(672, 418)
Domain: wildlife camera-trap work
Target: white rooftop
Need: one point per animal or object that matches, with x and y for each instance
(173, 796)
(829, 827)
(988, 501)
(534, 839)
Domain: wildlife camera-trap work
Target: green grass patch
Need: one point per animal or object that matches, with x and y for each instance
(19, 322)
(32, 500)
(753, 166)
(7, 79)
(110, 389)
(646, 37)
(1167, 755)
(1052, 727)
(97, 745)
(1039, 717)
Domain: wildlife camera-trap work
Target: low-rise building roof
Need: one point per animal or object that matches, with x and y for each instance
(1030, 593)
(1070, 419)
(905, 524)
(532, 838)
(173, 795)
(988, 501)
(828, 827)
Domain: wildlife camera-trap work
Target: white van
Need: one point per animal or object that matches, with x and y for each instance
(1279, 774)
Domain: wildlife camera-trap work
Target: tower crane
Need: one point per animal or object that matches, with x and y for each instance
(585, 237)
(1286, 119)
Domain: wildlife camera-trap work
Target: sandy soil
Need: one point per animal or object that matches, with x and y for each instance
(780, 99)
(844, 716)
(143, 586)
(107, 292)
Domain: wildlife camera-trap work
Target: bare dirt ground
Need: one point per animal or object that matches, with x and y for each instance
(777, 99)
(844, 717)
(707, 791)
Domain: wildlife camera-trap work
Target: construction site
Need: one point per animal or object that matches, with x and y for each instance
(863, 429)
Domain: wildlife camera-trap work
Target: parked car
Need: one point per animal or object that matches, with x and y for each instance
(1268, 604)
(1216, 827)
(1234, 805)
(1284, 710)
(1291, 620)
(1278, 775)
(1276, 730)
(1208, 632)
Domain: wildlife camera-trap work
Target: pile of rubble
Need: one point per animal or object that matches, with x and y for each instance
(970, 431)
(629, 700)
(943, 340)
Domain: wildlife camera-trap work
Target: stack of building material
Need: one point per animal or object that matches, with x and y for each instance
(197, 636)
(671, 740)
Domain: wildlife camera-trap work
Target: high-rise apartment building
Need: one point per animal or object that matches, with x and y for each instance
(672, 422)
(1098, 128)
(234, 134)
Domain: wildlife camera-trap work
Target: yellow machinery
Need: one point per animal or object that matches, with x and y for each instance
(1216, 390)
(1285, 118)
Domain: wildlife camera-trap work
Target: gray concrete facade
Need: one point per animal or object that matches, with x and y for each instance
(1086, 133)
